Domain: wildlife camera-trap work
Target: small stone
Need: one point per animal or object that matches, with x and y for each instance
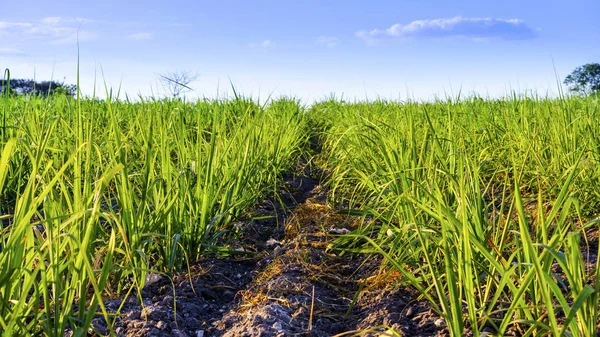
(151, 313)
(439, 322)
(271, 243)
(200, 333)
(410, 312)
(161, 325)
(238, 276)
(178, 333)
(339, 231)
(277, 326)
(152, 278)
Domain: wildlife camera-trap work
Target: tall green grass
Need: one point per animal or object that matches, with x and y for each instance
(95, 194)
(481, 205)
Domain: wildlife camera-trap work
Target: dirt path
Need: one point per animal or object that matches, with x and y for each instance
(292, 287)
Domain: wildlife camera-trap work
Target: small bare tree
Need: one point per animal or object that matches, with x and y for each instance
(177, 82)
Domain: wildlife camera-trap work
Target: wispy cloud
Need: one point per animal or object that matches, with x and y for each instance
(140, 36)
(471, 28)
(55, 30)
(12, 51)
(265, 44)
(52, 20)
(329, 41)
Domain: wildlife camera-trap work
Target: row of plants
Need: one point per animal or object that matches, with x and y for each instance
(95, 194)
(483, 206)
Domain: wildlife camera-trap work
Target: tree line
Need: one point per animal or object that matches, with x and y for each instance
(30, 87)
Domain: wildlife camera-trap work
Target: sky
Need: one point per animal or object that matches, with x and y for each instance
(310, 49)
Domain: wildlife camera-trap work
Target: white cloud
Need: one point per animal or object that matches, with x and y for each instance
(472, 28)
(55, 30)
(140, 36)
(12, 51)
(5, 26)
(53, 20)
(265, 44)
(329, 41)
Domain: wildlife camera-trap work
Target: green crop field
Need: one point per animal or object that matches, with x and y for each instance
(96, 194)
(485, 207)
(482, 206)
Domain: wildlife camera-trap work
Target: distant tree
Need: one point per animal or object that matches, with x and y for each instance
(31, 87)
(585, 79)
(178, 82)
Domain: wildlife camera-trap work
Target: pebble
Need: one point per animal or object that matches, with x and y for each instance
(178, 333)
(200, 333)
(439, 322)
(152, 278)
(410, 312)
(339, 231)
(277, 326)
(151, 313)
(161, 325)
(271, 243)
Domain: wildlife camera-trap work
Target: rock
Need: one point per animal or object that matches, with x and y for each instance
(178, 333)
(161, 325)
(200, 333)
(151, 313)
(277, 326)
(440, 322)
(338, 231)
(272, 243)
(152, 278)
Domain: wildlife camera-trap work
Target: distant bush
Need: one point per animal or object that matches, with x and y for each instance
(31, 87)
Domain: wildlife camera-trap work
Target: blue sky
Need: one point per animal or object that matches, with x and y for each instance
(308, 49)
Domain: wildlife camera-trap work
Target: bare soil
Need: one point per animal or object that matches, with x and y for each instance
(292, 286)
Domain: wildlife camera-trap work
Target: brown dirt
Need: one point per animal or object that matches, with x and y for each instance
(293, 286)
